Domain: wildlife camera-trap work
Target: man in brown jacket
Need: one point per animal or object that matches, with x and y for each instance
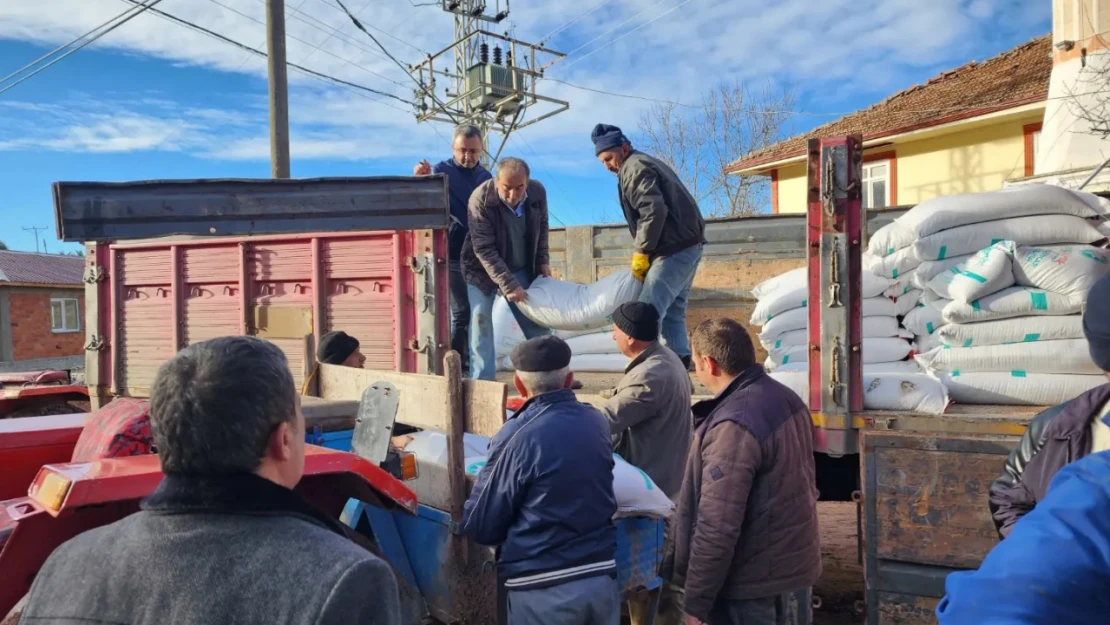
(747, 547)
(505, 250)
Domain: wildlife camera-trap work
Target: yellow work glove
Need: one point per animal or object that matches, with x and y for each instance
(640, 265)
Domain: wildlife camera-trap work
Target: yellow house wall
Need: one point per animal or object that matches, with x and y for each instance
(969, 160)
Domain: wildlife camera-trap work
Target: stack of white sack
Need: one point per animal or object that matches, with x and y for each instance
(592, 350)
(782, 312)
(890, 381)
(917, 244)
(1005, 327)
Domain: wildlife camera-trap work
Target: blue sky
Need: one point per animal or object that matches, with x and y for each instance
(156, 100)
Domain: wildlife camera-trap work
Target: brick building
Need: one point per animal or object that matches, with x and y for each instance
(42, 311)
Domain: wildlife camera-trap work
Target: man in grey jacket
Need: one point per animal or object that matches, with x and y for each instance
(650, 420)
(224, 538)
(667, 229)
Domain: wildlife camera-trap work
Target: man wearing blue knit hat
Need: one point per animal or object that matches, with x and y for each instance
(667, 229)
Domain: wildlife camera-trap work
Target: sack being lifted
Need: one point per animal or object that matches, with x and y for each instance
(563, 305)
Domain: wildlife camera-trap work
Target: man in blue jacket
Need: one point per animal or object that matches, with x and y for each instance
(545, 498)
(464, 174)
(1052, 568)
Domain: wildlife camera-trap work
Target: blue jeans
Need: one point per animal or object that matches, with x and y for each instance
(483, 356)
(667, 287)
(590, 601)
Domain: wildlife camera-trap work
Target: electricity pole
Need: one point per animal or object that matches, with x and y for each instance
(278, 87)
(36, 231)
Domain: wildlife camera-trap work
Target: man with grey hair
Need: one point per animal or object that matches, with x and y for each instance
(230, 436)
(464, 173)
(504, 252)
(545, 498)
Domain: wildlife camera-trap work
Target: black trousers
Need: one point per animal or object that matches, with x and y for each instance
(460, 315)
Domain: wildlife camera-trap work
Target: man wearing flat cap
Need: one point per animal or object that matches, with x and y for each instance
(545, 499)
(650, 420)
(667, 229)
(1061, 434)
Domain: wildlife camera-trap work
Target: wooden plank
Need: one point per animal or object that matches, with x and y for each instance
(899, 609)
(282, 322)
(931, 506)
(423, 401)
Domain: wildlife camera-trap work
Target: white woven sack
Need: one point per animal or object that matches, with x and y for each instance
(890, 238)
(926, 318)
(899, 366)
(906, 303)
(1064, 269)
(988, 271)
(790, 280)
(1016, 301)
(902, 284)
(1035, 230)
(1067, 356)
(873, 327)
(903, 392)
(894, 265)
(1031, 389)
(595, 343)
(874, 351)
(798, 318)
(1004, 331)
(571, 306)
(927, 342)
(507, 333)
(952, 211)
(929, 269)
(583, 363)
(791, 290)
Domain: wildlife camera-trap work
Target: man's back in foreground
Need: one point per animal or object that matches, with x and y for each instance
(224, 538)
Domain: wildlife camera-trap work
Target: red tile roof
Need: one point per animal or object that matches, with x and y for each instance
(1013, 78)
(32, 268)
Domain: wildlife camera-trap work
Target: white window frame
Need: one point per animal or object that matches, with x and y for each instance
(867, 179)
(58, 326)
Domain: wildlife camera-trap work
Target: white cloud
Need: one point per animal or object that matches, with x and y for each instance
(836, 46)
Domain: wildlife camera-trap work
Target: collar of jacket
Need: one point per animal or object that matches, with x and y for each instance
(237, 493)
(1076, 415)
(546, 399)
(704, 409)
(519, 209)
(648, 352)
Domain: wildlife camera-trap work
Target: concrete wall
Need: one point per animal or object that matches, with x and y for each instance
(25, 325)
(976, 157)
(741, 253)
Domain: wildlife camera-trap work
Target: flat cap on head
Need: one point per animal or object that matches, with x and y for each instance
(640, 320)
(1096, 323)
(335, 347)
(541, 354)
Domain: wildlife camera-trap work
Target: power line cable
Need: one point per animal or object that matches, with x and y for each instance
(305, 70)
(384, 32)
(612, 41)
(122, 18)
(572, 22)
(616, 28)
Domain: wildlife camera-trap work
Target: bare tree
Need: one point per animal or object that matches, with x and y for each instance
(1089, 98)
(3, 246)
(699, 142)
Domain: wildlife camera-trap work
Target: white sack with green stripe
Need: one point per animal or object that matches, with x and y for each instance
(791, 290)
(928, 270)
(927, 317)
(988, 271)
(1065, 356)
(1036, 230)
(1030, 389)
(1064, 269)
(1016, 301)
(873, 328)
(798, 318)
(875, 351)
(903, 392)
(1005, 331)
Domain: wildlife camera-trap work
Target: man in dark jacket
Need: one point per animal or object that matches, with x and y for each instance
(667, 230)
(747, 546)
(224, 538)
(504, 252)
(545, 497)
(1061, 434)
(464, 173)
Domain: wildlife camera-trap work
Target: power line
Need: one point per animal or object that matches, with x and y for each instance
(612, 41)
(305, 70)
(123, 19)
(384, 32)
(572, 22)
(295, 38)
(543, 170)
(615, 28)
(359, 26)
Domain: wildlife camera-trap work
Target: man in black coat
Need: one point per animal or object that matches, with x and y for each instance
(224, 538)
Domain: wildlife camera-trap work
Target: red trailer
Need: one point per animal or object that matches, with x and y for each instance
(35, 393)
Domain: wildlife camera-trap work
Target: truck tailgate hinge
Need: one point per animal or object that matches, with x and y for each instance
(94, 274)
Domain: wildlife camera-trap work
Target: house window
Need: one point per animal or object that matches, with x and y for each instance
(65, 315)
(876, 184)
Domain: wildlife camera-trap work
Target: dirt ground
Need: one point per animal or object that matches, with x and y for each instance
(841, 583)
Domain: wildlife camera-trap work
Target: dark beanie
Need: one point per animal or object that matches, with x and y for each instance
(606, 137)
(1096, 323)
(543, 353)
(639, 320)
(335, 347)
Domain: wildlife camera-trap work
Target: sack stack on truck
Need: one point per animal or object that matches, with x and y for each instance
(993, 271)
(890, 381)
